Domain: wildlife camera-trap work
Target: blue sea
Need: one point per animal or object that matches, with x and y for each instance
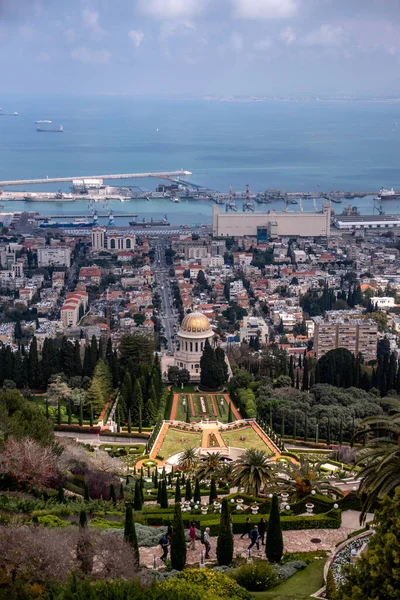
(296, 146)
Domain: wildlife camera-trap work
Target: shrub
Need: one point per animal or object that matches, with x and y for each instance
(289, 569)
(52, 521)
(220, 586)
(255, 576)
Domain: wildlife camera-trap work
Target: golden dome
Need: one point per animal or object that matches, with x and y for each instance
(195, 322)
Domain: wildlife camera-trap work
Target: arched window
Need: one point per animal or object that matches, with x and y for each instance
(112, 243)
(128, 243)
(191, 347)
(197, 346)
(186, 346)
(197, 366)
(201, 346)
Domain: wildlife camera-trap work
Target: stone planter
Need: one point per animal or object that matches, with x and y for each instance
(204, 509)
(309, 508)
(254, 510)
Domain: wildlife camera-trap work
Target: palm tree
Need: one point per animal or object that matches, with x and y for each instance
(226, 472)
(253, 471)
(188, 459)
(380, 459)
(299, 480)
(209, 465)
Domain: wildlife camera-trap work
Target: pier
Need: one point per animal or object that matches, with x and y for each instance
(80, 216)
(164, 175)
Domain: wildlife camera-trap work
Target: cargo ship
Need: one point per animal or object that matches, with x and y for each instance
(58, 197)
(45, 121)
(3, 114)
(59, 129)
(385, 194)
(76, 224)
(151, 223)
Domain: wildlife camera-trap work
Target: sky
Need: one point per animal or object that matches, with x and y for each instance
(201, 47)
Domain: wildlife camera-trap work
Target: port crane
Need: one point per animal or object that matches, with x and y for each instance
(379, 209)
(230, 203)
(248, 204)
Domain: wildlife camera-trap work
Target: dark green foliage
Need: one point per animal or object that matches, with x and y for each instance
(178, 541)
(213, 370)
(86, 494)
(178, 497)
(196, 495)
(164, 495)
(138, 501)
(188, 491)
(82, 519)
(60, 495)
(130, 533)
(330, 590)
(274, 541)
(113, 497)
(213, 491)
(121, 492)
(230, 415)
(336, 367)
(225, 538)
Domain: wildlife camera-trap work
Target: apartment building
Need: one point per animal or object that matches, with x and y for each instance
(359, 336)
(251, 327)
(57, 255)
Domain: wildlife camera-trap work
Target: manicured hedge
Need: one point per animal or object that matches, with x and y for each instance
(142, 435)
(78, 429)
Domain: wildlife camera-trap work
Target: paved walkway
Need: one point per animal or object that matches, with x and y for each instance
(294, 541)
(157, 446)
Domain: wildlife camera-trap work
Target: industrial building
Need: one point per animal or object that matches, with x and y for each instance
(359, 336)
(352, 223)
(272, 224)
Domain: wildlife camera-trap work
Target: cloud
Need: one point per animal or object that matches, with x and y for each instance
(288, 35)
(264, 9)
(262, 44)
(91, 20)
(43, 57)
(136, 36)
(175, 30)
(326, 35)
(236, 42)
(172, 9)
(87, 55)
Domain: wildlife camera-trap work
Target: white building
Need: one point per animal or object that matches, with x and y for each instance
(54, 256)
(114, 240)
(383, 301)
(251, 327)
(192, 335)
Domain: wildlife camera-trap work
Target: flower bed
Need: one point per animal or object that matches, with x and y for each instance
(343, 556)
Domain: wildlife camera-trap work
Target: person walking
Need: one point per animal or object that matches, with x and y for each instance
(165, 543)
(254, 538)
(192, 535)
(262, 527)
(247, 528)
(207, 542)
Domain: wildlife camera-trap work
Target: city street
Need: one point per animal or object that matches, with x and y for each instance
(161, 273)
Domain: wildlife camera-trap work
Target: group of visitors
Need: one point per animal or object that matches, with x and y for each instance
(255, 533)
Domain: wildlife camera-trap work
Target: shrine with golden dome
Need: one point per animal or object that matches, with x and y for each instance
(192, 335)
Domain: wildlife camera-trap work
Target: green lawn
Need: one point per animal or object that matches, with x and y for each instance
(251, 439)
(175, 441)
(181, 411)
(209, 407)
(298, 587)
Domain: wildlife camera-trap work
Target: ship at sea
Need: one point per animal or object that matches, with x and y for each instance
(3, 114)
(76, 224)
(59, 129)
(151, 223)
(386, 194)
(42, 197)
(45, 121)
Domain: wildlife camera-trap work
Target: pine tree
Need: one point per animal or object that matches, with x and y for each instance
(178, 541)
(330, 589)
(130, 536)
(82, 519)
(164, 495)
(113, 497)
(196, 495)
(274, 541)
(138, 503)
(225, 537)
(178, 497)
(213, 491)
(188, 491)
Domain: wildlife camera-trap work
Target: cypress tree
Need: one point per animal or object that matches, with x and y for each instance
(86, 495)
(159, 492)
(87, 363)
(33, 364)
(80, 414)
(91, 415)
(118, 421)
(121, 491)
(141, 487)
(60, 495)
(178, 497)
(225, 537)
(130, 536)
(138, 503)
(330, 589)
(196, 495)
(164, 495)
(187, 413)
(305, 376)
(183, 481)
(113, 497)
(274, 541)
(82, 519)
(188, 491)
(155, 477)
(178, 541)
(213, 491)
(137, 405)
(77, 358)
(230, 415)
(129, 421)
(291, 370)
(297, 380)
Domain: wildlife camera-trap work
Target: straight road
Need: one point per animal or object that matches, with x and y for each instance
(161, 272)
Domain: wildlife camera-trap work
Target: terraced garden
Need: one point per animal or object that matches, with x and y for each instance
(176, 440)
(245, 437)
